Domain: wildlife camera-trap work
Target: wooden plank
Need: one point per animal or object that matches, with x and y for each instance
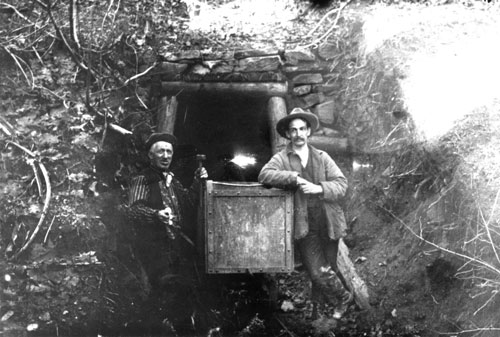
(264, 88)
(167, 112)
(354, 282)
(276, 108)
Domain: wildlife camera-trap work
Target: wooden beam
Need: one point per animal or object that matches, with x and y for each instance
(354, 282)
(167, 112)
(276, 108)
(330, 144)
(257, 88)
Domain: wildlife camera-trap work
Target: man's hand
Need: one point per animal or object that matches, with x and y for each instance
(166, 217)
(307, 187)
(201, 173)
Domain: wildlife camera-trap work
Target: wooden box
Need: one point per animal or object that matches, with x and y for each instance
(248, 228)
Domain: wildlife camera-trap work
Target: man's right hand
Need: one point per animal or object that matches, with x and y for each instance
(307, 187)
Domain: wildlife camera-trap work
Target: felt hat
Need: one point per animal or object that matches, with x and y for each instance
(283, 123)
(160, 137)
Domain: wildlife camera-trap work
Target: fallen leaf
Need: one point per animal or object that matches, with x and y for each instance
(32, 327)
(7, 315)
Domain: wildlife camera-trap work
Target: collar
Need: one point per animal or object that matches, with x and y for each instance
(289, 148)
(161, 174)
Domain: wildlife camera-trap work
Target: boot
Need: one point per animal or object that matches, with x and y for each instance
(341, 296)
(343, 303)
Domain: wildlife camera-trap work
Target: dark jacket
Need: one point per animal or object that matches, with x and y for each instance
(282, 171)
(145, 197)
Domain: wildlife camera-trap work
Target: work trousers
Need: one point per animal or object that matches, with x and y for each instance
(319, 257)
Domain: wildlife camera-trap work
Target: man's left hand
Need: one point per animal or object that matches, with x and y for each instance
(201, 173)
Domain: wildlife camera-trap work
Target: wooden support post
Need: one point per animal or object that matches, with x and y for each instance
(276, 108)
(257, 88)
(167, 112)
(354, 282)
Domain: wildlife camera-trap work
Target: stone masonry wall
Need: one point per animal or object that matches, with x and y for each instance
(311, 82)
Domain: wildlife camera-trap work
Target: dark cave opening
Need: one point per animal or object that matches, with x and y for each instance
(222, 127)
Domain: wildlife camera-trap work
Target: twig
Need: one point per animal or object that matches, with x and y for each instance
(17, 12)
(73, 23)
(22, 148)
(31, 162)
(321, 21)
(19, 66)
(48, 230)
(119, 129)
(284, 326)
(495, 292)
(468, 331)
(141, 74)
(5, 130)
(487, 224)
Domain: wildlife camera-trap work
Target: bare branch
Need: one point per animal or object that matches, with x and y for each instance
(48, 195)
(472, 259)
(332, 27)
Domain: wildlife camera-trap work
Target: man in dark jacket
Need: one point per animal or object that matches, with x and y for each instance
(319, 220)
(158, 206)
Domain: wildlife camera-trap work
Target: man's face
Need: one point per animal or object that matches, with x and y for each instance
(298, 132)
(161, 154)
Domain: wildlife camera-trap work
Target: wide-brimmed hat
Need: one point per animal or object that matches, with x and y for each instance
(160, 137)
(283, 123)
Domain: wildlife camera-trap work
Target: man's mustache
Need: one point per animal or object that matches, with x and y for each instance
(299, 138)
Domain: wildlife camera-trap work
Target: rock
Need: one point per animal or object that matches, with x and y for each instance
(331, 132)
(294, 57)
(327, 51)
(184, 55)
(303, 67)
(222, 67)
(309, 100)
(241, 54)
(170, 70)
(331, 88)
(219, 55)
(324, 111)
(308, 79)
(267, 63)
(198, 69)
(302, 90)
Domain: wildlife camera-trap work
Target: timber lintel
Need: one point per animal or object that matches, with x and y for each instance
(258, 88)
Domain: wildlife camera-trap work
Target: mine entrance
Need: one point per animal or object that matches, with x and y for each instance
(223, 127)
